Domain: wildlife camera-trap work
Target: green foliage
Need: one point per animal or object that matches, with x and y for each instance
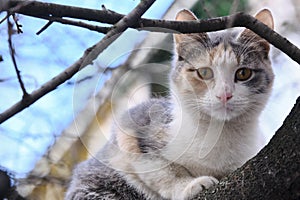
(215, 8)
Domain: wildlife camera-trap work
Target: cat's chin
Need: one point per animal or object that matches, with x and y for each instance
(223, 117)
(224, 113)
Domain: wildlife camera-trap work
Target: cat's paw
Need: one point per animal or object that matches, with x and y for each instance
(197, 185)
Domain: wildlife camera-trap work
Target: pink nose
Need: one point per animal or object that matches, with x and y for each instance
(224, 97)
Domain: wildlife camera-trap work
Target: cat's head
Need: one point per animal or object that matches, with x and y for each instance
(224, 74)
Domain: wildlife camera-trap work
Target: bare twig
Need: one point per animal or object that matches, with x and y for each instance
(44, 27)
(5, 18)
(44, 10)
(99, 29)
(89, 55)
(19, 26)
(12, 54)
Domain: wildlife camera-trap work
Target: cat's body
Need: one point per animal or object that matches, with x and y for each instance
(173, 148)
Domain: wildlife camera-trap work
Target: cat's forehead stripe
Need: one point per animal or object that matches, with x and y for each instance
(223, 53)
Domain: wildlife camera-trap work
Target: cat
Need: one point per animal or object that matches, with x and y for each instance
(173, 148)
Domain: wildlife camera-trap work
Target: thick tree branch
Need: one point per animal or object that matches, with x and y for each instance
(46, 10)
(89, 55)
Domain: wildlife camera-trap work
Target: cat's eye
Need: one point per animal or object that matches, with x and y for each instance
(205, 73)
(243, 74)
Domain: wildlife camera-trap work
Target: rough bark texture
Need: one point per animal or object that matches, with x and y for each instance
(273, 174)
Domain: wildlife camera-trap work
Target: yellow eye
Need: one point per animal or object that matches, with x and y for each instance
(243, 74)
(205, 73)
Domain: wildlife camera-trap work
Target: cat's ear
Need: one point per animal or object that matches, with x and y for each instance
(265, 16)
(186, 15)
(183, 15)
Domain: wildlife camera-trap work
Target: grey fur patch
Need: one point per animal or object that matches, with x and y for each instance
(150, 120)
(96, 181)
(260, 83)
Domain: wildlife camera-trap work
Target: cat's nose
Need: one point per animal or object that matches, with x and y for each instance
(224, 97)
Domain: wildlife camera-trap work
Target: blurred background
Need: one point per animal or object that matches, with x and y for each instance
(41, 145)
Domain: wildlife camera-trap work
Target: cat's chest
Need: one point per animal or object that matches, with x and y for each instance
(216, 161)
(214, 151)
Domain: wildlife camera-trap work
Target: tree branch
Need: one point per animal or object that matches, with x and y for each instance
(12, 54)
(89, 55)
(46, 10)
(49, 23)
(99, 29)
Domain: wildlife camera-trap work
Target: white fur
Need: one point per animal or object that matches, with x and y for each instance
(230, 145)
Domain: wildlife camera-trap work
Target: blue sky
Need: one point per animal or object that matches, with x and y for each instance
(26, 136)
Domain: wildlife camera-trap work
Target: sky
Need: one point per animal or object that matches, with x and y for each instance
(25, 137)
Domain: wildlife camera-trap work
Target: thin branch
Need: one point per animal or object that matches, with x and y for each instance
(89, 55)
(44, 10)
(19, 26)
(5, 18)
(44, 27)
(12, 54)
(99, 29)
